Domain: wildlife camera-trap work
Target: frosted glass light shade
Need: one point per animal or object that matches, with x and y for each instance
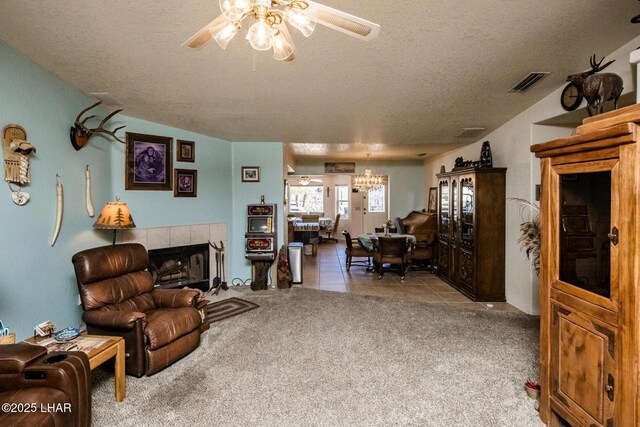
(260, 35)
(301, 20)
(224, 36)
(234, 9)
(282, 49)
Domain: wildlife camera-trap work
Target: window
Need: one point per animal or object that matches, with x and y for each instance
(342, 201)
(376, 200)
(308, 198)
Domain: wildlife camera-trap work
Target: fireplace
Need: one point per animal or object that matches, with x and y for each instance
(180, 266)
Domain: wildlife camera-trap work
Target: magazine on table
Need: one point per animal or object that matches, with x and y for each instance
(82, 343)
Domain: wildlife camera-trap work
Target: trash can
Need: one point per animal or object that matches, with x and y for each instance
(294, 256)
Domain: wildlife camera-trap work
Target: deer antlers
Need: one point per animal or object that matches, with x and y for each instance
(80, 134)
(595, 66)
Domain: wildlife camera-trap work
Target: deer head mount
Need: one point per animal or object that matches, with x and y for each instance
(80, 134)
(598, 88)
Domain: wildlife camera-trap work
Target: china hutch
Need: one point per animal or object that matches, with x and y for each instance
(471, 231)
(589, 275)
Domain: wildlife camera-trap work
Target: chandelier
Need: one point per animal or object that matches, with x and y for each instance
(368, 181)
(268, 19)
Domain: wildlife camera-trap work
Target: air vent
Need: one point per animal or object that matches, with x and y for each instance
(528, 81)
(106, 98)
(469, 132)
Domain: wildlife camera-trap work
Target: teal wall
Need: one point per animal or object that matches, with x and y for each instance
(406, 182)
(269, 156)
(37, 282)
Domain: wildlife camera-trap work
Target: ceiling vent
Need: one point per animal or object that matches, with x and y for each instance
(528, 81)
(106, 98)
(469, 132)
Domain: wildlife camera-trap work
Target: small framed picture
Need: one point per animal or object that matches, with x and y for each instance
(250, 173)
(432, 206)
(186, 151)
(148, 162)
(186, 183)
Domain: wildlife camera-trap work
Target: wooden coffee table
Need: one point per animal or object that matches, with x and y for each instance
(112, 347)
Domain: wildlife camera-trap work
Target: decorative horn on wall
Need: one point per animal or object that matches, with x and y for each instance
(59, 210)
(80, 133)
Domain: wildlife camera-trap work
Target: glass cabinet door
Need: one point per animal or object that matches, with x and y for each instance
(467, 210)
(585, 226)
(455, 213)
(443, 206)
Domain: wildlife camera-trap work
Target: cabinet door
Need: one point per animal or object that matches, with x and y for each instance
(444, 224)
(586, 224)
(583, 358)
(467, 211)
(455, 230)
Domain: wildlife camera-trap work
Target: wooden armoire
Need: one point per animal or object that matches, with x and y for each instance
(590, 273)
(471, 230)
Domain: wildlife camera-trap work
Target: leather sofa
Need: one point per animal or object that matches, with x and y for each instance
(159, 326)
(44, 389)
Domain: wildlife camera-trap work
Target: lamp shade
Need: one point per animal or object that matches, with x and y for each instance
(115, 216)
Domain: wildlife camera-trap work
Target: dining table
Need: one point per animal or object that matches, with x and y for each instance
(367, 240)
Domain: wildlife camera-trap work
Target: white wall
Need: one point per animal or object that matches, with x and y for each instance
(510, 148)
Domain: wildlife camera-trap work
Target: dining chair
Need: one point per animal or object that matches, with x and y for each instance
(393, 252)
(353, 249)
(329, 230)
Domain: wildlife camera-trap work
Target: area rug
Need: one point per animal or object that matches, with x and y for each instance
(219, 310)
(317, 358)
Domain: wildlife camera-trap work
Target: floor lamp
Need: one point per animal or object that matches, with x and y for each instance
(114, 216)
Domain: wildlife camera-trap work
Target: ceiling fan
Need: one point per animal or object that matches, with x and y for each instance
(306, 180)
(269, 31)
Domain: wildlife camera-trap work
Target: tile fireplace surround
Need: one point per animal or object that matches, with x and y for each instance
(181, 235)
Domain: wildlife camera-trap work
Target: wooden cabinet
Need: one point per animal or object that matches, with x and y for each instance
(589, 275)
(471, 231)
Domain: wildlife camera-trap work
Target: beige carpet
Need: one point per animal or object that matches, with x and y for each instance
(318, 358)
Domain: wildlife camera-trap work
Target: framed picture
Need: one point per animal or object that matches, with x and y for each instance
(186, 151)
(340, 167)
(148, 162)
(432, 205)
(186, 183)
(250, 173)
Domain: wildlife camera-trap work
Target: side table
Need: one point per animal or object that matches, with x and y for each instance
(112, 347)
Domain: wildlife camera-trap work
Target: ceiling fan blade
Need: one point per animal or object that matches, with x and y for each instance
(343, 22)
(204, 36)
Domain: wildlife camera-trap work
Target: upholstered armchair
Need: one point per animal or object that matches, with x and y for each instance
(423, 253)
(159, 326)
(393, 251)
(36, 381)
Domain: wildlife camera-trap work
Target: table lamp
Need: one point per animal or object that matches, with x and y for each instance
(114, 216)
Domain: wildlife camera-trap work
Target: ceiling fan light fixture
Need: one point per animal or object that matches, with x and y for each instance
(304, 180)
(260, 35)
(224, 35)
(235, 9)
(300, 19)
(282, 49)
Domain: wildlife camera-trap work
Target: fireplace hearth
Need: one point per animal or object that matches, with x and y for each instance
(180, 266)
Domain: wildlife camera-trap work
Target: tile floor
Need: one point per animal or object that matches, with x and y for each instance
(327, 271)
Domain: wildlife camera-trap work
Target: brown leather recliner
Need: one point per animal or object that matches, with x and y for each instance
(159, 326)
(43, 389)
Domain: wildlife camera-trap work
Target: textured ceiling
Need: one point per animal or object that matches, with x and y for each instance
(436, 67)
